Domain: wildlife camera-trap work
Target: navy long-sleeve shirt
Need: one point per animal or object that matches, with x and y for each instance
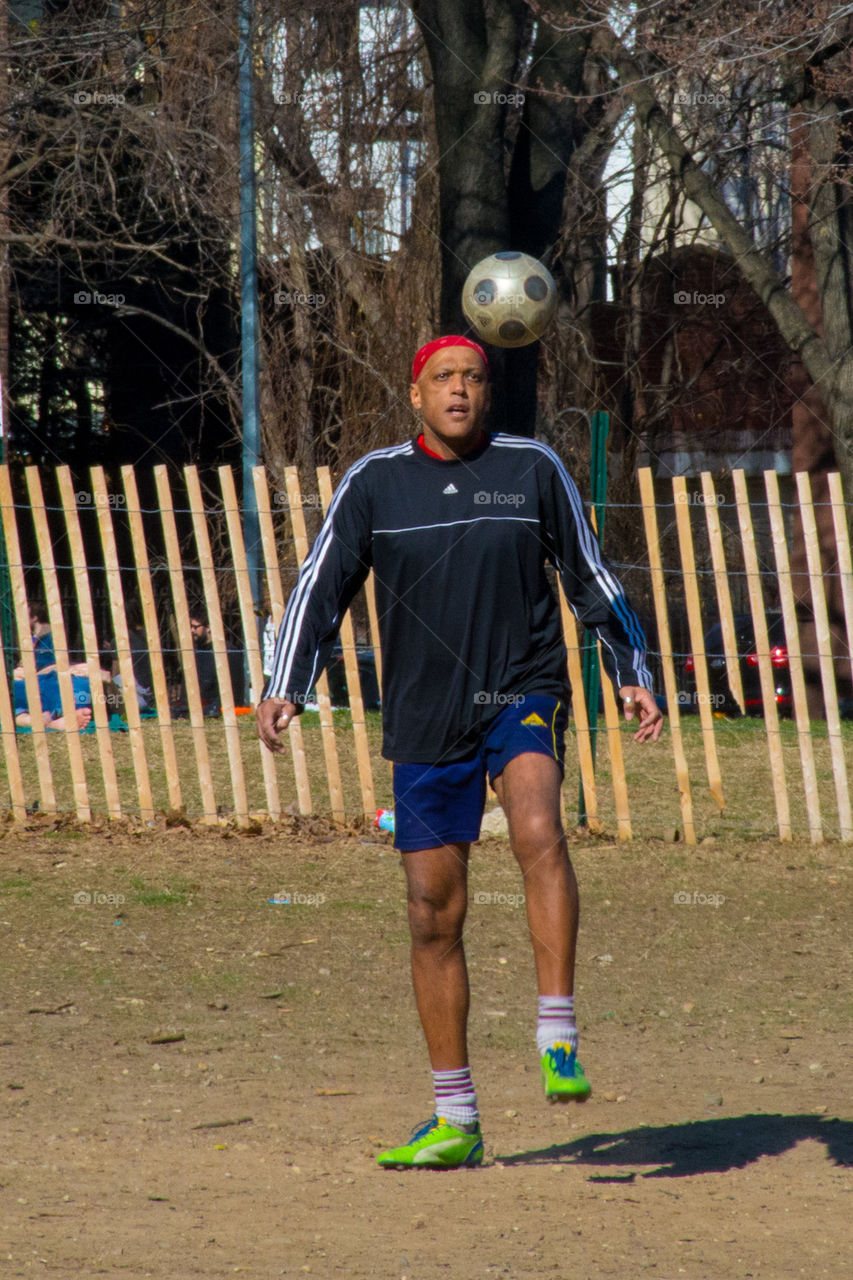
(467, 616)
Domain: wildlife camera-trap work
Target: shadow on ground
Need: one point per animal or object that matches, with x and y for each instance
(706, 1146)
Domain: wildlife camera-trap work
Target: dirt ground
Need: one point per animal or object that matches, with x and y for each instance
(196, 1081)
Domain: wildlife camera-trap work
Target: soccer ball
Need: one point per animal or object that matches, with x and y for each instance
(509, 298)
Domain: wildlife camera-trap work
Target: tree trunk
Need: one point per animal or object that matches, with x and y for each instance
(486, 205)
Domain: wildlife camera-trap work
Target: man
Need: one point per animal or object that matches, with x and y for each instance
(205, 662)
(458, 527)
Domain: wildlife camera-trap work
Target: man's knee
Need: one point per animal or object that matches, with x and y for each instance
(537, 835)
(436, 913)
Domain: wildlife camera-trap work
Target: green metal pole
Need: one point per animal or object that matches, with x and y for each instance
(599, 428)
(7, 617)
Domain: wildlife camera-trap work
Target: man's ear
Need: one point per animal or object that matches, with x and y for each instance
(415, 396)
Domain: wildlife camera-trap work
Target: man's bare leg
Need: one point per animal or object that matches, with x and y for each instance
(528, 790)
(437, 885)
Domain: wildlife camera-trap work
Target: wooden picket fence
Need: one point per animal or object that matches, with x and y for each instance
(180, 757)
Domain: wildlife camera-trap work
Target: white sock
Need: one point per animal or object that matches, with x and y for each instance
(455, 1098)
(556, 1023)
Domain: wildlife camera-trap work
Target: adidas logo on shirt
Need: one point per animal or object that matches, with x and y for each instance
(451, 488)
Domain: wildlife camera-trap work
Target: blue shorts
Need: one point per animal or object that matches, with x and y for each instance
(437, 804)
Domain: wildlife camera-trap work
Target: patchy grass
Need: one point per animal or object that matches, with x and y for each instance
(741, 747)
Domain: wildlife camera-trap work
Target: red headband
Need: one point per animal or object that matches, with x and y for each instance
(452, 340)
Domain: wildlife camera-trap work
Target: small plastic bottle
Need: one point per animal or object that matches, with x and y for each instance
(384, 819)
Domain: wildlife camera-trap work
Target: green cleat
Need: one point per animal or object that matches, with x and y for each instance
(562, 1075)
(437, 1145)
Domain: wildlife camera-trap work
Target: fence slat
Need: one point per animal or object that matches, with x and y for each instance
(250, 625)
(795, 660)
(28, 662)
(697, 637)
(9, 733)
(762, 648)
(579, 714)
(721, 583)
(327, 722)
(356, 701)
(89, 636)
(845, 563)
(185, 643)
(122, 643)
(220, 645)
(647, 497)
(297, 741)
(824, 645)
(152, 633)
(60, 645)
(613, 723)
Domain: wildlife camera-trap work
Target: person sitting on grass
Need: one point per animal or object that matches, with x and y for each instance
(51, 698)
(51, 701)
(42, 641)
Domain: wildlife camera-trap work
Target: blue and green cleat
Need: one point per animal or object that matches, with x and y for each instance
(562, 1075)
(437, 1145)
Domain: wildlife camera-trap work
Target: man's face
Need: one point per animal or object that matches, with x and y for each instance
(201, 633)
(453, 396)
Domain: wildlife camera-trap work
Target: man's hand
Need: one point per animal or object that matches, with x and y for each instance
(273, 716)
(642, 702)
